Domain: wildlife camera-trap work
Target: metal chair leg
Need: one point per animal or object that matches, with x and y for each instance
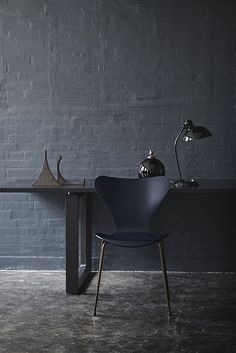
(163, 265)
(103, 244)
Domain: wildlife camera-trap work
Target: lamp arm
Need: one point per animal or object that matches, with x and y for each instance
(175, 146)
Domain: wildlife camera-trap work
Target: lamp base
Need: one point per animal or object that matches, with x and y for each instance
(186, 184)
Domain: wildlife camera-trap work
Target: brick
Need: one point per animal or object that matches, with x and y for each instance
(102, 82)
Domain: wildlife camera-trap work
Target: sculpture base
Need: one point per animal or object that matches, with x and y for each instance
(186, 184)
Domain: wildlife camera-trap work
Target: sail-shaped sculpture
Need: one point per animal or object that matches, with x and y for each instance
(45, 177)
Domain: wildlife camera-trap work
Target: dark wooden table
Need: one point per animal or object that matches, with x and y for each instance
(78, 227)
(79, 221)
(209, 186)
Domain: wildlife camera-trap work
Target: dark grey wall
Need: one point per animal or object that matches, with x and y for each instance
(100, 82)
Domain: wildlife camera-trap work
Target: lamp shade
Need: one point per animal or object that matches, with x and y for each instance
(193, 132)
(189, 133)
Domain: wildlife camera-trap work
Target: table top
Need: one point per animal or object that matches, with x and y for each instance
(214, 185)
(26, 186)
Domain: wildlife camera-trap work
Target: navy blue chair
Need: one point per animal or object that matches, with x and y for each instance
(132, 202)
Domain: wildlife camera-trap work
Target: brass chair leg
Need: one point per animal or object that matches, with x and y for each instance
(103, 244)
(163, 265)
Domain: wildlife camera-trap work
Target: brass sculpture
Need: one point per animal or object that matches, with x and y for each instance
(46, 177)
(62, 180)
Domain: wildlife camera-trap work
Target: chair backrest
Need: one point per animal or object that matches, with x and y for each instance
(132, 201)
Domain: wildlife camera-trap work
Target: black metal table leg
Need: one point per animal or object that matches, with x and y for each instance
(78, 241)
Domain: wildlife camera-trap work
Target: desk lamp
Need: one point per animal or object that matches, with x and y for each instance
(190, 132)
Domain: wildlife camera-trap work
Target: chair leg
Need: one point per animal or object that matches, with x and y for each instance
(163, 265)
(103, 244)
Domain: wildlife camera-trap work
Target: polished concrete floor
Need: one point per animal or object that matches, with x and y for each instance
(36, 316)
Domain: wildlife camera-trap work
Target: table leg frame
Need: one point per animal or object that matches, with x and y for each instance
(78, 241)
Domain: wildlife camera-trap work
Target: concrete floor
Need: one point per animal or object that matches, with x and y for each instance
(36, 316)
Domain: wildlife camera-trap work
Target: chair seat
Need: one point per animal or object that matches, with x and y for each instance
(131, 238)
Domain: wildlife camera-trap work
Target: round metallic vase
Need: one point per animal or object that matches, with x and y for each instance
(151, 167)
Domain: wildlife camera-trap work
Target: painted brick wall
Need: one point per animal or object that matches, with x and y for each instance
(101, 82)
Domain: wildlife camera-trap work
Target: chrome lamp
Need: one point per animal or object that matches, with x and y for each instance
(190, 132)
